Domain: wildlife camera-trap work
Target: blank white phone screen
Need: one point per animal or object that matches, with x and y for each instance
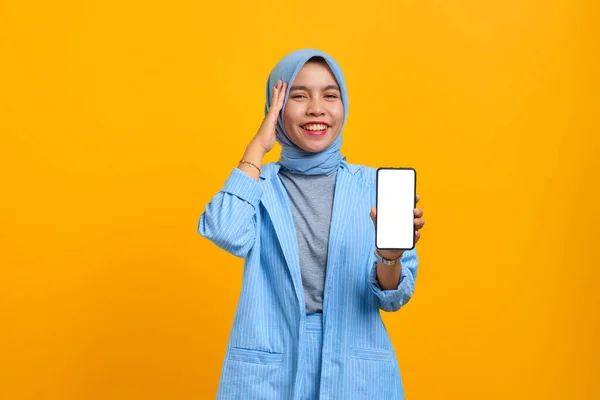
(395, 205)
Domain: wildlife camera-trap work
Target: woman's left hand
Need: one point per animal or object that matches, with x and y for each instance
(419, 223)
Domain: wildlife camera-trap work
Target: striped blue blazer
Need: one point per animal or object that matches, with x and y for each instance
(264, 357)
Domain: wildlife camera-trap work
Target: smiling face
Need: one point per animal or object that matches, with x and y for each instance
(314, 112)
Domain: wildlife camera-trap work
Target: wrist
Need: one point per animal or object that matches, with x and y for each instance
(256, 149)
(390, 254)
(254, 153)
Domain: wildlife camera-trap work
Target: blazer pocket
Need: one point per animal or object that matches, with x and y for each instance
(374, 373)
(363, 353)
(254, 356)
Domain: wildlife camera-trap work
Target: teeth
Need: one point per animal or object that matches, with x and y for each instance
(315, 127)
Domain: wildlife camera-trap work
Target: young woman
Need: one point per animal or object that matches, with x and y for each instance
(307, 325)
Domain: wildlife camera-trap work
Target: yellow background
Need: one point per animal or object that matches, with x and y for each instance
(120, 120)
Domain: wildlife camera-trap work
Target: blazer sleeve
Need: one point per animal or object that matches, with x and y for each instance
(229, 220)
(392, 300)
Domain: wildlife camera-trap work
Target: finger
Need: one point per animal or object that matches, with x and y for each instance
(281, 96)
(417, 198)
(281, 87)
(418, 212)
(273, 111)
(373, 214)
(280, 99)
(274, 95)
(417, 236)
(419, 223)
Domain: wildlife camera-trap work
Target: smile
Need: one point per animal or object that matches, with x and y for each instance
(315, 129)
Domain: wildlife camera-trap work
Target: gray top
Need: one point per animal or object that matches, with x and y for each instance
(311, 202)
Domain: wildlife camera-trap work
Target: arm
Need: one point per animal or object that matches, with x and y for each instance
(229, 220)
(400, 294)
(388, 276)
(394, 284)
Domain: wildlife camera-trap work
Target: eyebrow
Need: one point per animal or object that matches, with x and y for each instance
(335, 87)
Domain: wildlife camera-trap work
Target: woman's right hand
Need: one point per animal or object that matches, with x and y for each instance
(265, 137)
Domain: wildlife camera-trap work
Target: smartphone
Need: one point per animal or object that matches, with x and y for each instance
(396, 201)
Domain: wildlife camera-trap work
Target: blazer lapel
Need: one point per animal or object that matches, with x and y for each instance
(349, 190)
(275, 201)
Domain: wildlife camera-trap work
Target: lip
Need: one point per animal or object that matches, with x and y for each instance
(316, 133)
(316, 122)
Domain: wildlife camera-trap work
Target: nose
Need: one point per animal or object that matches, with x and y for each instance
(315, 107)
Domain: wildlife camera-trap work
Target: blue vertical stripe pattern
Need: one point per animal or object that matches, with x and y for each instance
(274, 348)
(311, 376)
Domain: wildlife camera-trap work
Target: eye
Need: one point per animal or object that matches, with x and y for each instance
(331, 96)
(298, 96)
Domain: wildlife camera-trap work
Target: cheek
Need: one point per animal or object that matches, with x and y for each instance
(290, 117)
(338, 114)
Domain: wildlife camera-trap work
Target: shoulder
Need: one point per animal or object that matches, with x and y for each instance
(365, 176)
(362, 172)
(268, 170)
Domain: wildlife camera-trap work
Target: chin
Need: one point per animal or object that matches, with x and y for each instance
(313, 144)
(313, 148)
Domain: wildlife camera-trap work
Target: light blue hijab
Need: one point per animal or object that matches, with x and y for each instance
(293, 157)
